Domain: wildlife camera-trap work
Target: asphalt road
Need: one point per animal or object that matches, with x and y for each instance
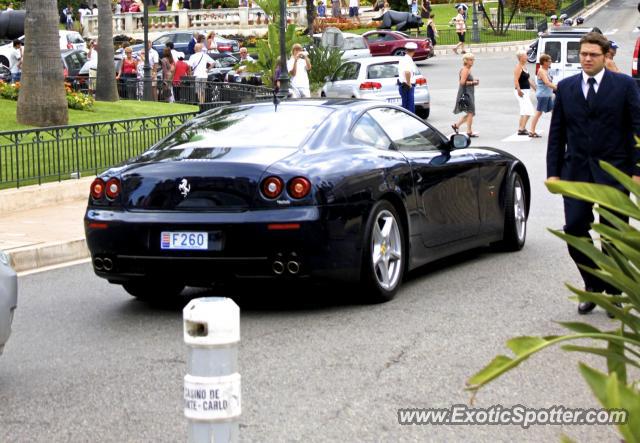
(86, 362)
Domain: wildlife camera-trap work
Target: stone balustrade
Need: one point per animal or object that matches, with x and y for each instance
(230, 20)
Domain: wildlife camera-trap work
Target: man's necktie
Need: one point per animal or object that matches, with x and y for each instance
(591, 94)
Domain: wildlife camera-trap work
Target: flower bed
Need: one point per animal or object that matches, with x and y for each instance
(75, 100)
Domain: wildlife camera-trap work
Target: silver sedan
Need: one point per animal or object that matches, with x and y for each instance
(375, 78)
(8, 298)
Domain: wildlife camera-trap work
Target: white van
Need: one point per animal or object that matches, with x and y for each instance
(562, 44)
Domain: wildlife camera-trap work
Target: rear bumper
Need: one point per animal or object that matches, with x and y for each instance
(326, 245)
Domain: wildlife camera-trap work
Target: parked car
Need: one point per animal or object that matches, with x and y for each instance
(181, 41)
(8, 298)
(635, 72)
(375, 78)
(385, 42)
(73, 60)
(68, 40)
(357, 190)
(353, 45)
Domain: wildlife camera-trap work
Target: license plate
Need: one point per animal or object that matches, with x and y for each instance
(184, 240)
(394, 100)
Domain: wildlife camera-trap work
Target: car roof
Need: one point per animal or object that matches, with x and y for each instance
(566, 31)
(376, 60)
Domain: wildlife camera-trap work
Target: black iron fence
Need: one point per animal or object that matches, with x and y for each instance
(188, 91)
(58, 153)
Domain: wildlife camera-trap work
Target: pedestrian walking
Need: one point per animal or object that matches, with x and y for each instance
(461, 30)
(128, 72)
(299, 66)
(68, 13)
(595, 117)
(522, 82)
(335, 8)
(432, 31)
(168, 70)
(354, 10)
(182, 69)
(407, 77)
(15, 61)
(544, 93)
(425, 9)
(200, 63)
(608, 58)
(322, 9)
(465, 100)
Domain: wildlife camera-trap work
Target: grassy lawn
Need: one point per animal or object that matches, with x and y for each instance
(62, 153)
(103, 111)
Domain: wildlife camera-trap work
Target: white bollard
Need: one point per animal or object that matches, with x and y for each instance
(212, 383)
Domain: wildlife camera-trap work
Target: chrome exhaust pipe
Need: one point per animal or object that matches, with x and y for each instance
(277, 267)
(97, 263)
(293, 267)
(108, 264)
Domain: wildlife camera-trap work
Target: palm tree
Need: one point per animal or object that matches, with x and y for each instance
(42, 100)
(311, 15)
(106, 78)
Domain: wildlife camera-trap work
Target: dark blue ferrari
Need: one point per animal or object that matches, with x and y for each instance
(350, 190)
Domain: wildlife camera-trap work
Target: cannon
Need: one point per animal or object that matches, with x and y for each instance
(11, 24)
(11, 27)
(401, 20)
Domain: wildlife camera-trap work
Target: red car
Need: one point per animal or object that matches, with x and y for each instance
(386, 42)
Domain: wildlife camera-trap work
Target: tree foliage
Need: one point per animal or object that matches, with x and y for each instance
(269, 49)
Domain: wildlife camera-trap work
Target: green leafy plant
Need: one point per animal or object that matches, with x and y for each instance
(617, 264)
(324, 62)
(269, 49)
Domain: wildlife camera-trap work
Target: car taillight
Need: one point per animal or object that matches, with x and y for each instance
(634, 63)
(112, 188)
(370, 85)
(224, 48)
(537, 67)
(299, 187)
(421, 81)
(423, 44)
(69, 45)
(272, 187)
(97, 188)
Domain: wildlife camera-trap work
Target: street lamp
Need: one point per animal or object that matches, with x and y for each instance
(146, 85)
(284, 72)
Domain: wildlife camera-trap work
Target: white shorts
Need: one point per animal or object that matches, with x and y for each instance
(526, 107)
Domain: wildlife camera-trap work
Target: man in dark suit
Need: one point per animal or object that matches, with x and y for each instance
(595, 117)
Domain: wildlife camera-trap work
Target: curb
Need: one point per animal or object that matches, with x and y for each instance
(47, 194)
(29, 257)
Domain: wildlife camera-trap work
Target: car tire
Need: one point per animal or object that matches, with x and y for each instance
(399, 52)
(322, 94)
(383, 259)
(515, 215)
(153, 290)
(423, 113)
(4, 61)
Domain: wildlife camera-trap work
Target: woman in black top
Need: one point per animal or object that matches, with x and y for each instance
(523, 84)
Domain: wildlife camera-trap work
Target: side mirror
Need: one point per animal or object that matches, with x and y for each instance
(327, 78)
(459, 141)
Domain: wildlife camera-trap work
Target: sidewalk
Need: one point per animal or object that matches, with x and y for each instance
(51, 230)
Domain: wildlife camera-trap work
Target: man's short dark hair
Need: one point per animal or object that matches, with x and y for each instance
(594, 38)
(169, 45)
(16, 43)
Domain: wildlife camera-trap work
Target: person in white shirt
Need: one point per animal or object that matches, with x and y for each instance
(199, 62)
(461, 30)
(298, 66)
(94, 9)
(407, 77)
(354, 13)
(15, 61)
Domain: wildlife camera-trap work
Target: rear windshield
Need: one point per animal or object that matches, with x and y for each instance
(259, 126)
(354, 43)
(383, 70)
(74, 38)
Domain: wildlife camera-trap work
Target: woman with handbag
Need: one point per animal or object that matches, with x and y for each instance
(465, 100)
